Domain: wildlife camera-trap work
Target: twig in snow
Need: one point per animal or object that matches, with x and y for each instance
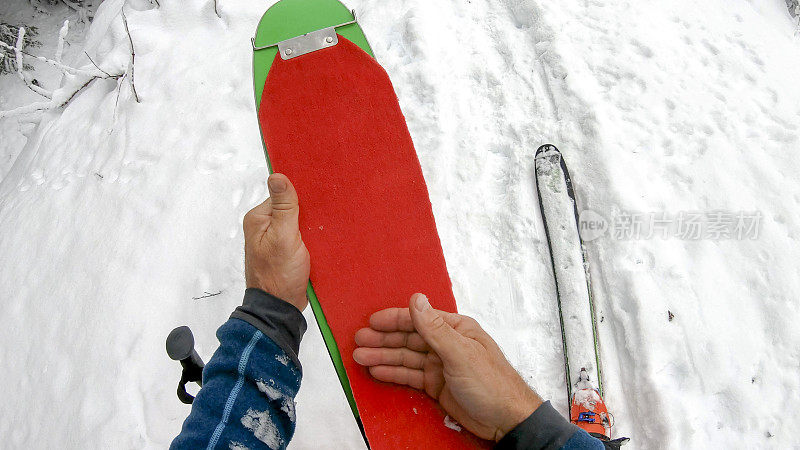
(207, 294)
(20, 68)
(133, 55)
(44, 106)
(69, 99)
(95, 64)
(119, 88)
(216, 11)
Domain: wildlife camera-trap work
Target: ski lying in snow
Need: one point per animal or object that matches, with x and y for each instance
(331, 122)
(573, 290)
(568, 256)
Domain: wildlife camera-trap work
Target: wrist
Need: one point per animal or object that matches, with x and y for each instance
(519, 409)
(295, 296)
(276, 318)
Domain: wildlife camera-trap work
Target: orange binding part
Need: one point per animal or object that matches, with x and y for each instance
(587, 409)
(589, 412)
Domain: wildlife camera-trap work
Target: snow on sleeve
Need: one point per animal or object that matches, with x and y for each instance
(275, 395)
(263, 428)
(283, 359)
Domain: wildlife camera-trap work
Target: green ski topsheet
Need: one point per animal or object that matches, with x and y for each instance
(291, 18)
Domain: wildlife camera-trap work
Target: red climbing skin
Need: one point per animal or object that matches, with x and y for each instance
(331, 122)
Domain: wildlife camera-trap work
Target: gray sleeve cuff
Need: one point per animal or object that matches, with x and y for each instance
(278, 320)
(545, 429)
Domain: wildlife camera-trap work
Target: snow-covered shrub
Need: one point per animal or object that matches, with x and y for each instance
(794, 7)
(72, 80)
(84, 8)
(8, 35)
(70, 3)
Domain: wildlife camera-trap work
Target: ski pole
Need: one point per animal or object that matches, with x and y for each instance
(180, 347)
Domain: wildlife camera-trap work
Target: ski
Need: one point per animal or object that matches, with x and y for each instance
(570, 270)
(576, 310)
(568, 257)
(330, 120)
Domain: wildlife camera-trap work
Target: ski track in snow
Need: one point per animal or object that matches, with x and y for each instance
(665, 132)
(115, 214)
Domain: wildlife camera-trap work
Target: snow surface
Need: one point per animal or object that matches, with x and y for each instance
(114, 216)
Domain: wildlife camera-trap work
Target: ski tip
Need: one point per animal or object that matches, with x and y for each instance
(546, 148)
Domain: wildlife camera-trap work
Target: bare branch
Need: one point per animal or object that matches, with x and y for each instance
(69, 99)
(133, 55)
(216, 10)
(116, 102)
(93, 63)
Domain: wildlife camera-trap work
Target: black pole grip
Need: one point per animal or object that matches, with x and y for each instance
(180, 347)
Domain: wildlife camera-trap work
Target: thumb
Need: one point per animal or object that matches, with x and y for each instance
(285, 206)
(441, 337)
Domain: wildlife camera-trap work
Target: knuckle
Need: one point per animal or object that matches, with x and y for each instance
(285, 204)
(467, 324)
(472, 323)
(437, 323)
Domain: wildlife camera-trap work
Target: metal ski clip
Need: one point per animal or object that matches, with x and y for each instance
(307, 43)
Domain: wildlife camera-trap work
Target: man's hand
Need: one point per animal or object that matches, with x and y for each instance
(275, 258)
(453, 360)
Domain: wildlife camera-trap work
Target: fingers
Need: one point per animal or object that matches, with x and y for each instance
(280, 212)
(440, 336)
(399, 375)
(399, 319)
(367, 356)
(367, 337)
(284, 203)
(391, 319)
